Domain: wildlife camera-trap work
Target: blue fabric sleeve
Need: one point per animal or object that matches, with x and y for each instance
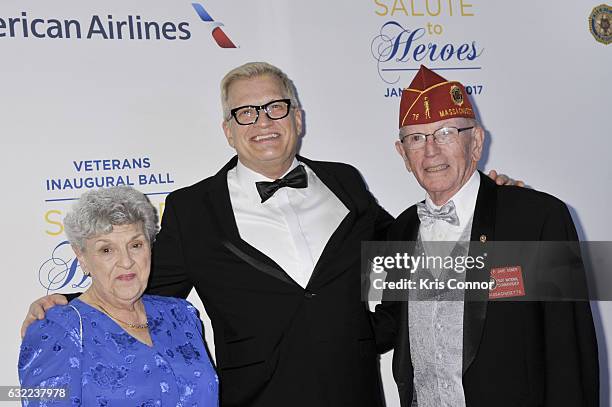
(50, 357)
(194, 317)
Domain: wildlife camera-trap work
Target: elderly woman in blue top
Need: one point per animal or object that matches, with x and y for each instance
(114, 346)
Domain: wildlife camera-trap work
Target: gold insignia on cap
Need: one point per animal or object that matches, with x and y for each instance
(456, 95)
(426, 106)
(483, 238)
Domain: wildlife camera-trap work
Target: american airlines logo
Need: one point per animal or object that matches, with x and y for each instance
(108, 26)
(217, 32)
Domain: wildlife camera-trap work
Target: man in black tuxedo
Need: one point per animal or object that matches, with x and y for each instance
(276, 263)
(468, 350)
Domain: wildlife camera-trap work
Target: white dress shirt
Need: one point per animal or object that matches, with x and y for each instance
(465, 203)
(293, 226)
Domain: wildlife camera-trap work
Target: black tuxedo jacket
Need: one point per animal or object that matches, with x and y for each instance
(276, 343)
(514, 353)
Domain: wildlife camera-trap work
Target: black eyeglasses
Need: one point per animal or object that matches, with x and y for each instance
(275, 110)
(445, 135)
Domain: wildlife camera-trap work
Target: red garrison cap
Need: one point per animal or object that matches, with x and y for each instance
(431, 98)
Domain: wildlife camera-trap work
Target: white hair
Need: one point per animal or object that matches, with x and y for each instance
(97, 211)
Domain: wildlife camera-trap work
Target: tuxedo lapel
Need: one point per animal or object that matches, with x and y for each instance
(409, 231)
(217, 201)
(483, 231)
(339, 237)
(411, 226)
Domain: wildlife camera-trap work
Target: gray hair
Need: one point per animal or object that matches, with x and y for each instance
(97, 211)
(251, 70)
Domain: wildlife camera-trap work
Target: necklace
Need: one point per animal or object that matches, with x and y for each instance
(131, 325)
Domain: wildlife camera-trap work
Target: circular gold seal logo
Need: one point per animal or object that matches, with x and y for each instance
(600, 23)
(456, 95)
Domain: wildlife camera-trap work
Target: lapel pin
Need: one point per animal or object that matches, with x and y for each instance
(483, 238)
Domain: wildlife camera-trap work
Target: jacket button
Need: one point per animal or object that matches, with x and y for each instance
(309, 294)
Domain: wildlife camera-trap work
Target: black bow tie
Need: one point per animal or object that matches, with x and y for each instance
(296, 178)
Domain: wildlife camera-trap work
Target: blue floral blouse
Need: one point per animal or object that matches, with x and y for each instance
(103, 365)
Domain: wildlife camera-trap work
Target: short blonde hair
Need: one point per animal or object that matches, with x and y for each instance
(251, 70)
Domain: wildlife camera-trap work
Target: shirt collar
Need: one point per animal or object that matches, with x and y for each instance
(464, 199)
(247, 178)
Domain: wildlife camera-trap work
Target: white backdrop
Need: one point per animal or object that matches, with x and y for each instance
(540, 82)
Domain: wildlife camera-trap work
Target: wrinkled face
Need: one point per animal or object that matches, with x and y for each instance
(442, 169)
(267, 146)
(119, 263)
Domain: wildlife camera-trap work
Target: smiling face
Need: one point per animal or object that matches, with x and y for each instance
(442, 169)
(267, 146)
(119, 263)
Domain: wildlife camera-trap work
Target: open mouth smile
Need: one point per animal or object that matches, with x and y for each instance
(437, 168)
(265, 137)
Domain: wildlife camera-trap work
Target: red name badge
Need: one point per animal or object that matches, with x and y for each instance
(507, 282)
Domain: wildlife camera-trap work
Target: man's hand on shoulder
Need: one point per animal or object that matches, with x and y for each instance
(39, 307)
(503, 179)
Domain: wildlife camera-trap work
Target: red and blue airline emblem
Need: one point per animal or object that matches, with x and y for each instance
(217, 32)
